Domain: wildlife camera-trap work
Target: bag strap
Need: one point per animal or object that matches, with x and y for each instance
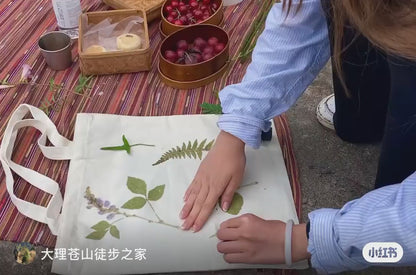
(61, 150)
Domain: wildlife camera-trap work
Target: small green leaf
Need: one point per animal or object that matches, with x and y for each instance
(209, 145)
(114, 148)
(137, 186)
(96, 235)
(156, 193)
(114, 232)
(208, 108)
(201, 145)
(101, 226)
(126, 144)
(135, 203)
(236, 204)
(195, 145)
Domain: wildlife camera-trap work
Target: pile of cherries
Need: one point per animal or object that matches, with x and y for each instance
(192, 53)
(188, 12)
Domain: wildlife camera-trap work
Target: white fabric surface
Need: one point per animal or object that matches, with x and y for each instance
(105, 172)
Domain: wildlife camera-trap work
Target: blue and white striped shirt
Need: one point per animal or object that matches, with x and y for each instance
(289, 54)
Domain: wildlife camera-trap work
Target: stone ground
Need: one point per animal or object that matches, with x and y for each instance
(332, 173)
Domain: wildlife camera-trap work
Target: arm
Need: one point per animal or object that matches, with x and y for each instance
(336, 237)
(288, 56)
(387, 214)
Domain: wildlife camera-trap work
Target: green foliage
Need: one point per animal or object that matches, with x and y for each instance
(125, 147)
(208, 108)
(82, 85)
(156, 193)
(137, 186)
(135, 203)
(114, 232)
(236, 204)
(250, 40)
(191, 151)
(101, 228)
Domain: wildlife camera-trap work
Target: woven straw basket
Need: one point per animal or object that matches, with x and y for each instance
(152, 7)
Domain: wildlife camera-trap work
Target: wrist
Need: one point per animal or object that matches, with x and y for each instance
(299, 243)
(229, 139)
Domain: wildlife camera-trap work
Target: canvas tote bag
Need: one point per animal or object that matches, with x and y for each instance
(126, 180)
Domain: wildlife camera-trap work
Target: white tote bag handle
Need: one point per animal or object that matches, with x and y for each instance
(61, 149)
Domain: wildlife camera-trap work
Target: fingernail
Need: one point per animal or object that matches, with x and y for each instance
(181, 215)
(225, 206)
(194, 228)
(183, 226)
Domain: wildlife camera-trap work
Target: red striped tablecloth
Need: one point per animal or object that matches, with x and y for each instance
(142, 94)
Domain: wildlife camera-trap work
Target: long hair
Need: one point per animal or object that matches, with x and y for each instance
(388, 24)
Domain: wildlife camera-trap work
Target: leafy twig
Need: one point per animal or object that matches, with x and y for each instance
(249, 41)
(125, 147)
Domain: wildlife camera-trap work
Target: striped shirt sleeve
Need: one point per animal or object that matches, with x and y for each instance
(288, 55)
(388, 214)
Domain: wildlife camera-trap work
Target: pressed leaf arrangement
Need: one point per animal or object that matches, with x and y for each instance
(190, 150)
(141, 199)
(125, 147)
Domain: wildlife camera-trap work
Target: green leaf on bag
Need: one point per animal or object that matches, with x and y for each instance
(156, 193)
(126, 144)
(135, 203)
(114, 232)
(136, 186)
(101, 226)
(236, 204)
(97, 235)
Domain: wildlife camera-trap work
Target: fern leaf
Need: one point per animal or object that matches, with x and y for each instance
(189, 149)
(209, 145)
(201, 145)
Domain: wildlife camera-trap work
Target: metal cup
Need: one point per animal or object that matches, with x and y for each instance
(56, 49)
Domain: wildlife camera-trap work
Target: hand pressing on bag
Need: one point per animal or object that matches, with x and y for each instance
(219, 175)
(252, 240)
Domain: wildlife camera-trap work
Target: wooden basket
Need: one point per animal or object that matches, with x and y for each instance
(116, 61)
(152, 7)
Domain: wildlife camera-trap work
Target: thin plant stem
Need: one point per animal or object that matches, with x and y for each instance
(154, 211)
(141, 144)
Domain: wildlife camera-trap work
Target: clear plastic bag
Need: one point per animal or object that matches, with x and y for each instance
(106, 32)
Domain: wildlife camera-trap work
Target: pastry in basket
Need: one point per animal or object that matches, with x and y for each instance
(128, 41)
(95, 49)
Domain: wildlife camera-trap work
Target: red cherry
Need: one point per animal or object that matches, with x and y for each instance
(193, 4)
(205, 17)
(212, 41)
(171, 56)
(170, 19)
(183, 9)
(182, 3)
(180, 53)
(207, 56)
(198, 14)
(198, 57)
(173, 13)
(200, 43)
(204, 7)
(214, 6)
(182, 45)
(208, 49)
(174, 4)
(178, 22)
(168, 9)
(184, 19)
(206, 2)
(219, 47)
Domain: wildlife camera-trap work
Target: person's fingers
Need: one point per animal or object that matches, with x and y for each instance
(193, 187)
(206, 210)
(228, 234)
(231, 247)
(228, 194)
(196, 207)
(236, 258)
(192, 194)
(231, 223)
